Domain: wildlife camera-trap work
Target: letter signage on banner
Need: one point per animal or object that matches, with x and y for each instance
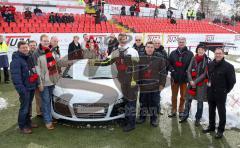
(171, 39)
(210, 38)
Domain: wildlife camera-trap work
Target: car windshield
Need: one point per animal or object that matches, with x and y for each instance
(83, 69)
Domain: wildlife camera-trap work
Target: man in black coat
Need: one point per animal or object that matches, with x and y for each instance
(112, 44)
(138, 45)
(179, 61)
(51, 18)
(163, 55)
(74, 49)
(27, 14)
(132, 9)
(221, 75)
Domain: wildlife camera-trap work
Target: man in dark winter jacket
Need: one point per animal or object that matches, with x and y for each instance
(152, 79)
(27, 14)
(159, 48)
(123, 11)
(112, 44)
(179, 61)
(163, 55)
(51, 18)
(221, 81)
(74, 49)
(25, 81)
(132, 9)
(138, 45)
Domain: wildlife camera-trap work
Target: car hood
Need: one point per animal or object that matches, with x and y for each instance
(91, 91)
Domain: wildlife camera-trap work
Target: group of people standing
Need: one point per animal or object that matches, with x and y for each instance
(35, 71)
(141, 68)
(195, 76)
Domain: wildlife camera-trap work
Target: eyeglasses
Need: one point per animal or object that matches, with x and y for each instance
(138, 40)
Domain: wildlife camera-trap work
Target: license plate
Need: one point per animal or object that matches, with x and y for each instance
(86, 110)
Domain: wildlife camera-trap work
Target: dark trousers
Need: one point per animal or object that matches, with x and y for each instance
(24, 117)
(199, 112)
(221, 107)
(130, 112)
(149, 104)
(6, 74)
(130, 95)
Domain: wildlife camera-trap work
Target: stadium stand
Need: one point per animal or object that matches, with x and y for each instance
(163, 25)
(39, 24)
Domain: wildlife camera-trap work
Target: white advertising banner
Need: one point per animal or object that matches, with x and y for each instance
(168, 40)
(148, 12)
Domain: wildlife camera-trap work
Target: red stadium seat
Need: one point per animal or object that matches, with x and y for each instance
(24, 30)
(16, 30)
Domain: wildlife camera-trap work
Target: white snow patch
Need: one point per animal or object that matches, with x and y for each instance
(3, 103)
(235, 64)
(238, 59)
(232, 106)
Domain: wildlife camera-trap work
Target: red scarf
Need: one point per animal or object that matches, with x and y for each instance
(199, 58)
(51, 62)
(192, 91)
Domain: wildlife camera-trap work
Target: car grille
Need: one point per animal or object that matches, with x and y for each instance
(92, 106)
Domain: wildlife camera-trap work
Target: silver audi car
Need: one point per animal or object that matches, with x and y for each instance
(88, 93)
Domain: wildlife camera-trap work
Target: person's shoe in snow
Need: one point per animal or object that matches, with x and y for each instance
(155, 123)
(172, 115)
(181, 114)
(160, 113)
(208, 130)
(183, 119)
(219, 135)
(6, 82)
(140, 120)
(197, 122)
(128, 128)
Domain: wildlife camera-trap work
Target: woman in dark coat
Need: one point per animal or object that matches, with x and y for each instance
(197, 87)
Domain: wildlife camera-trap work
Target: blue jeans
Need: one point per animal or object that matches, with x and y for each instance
(47, 96)
(24, 117)
(199, 112)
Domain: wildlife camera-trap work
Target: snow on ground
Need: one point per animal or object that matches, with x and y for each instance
(3, 103)
(232, 106)
(238, 59)
(234, 51)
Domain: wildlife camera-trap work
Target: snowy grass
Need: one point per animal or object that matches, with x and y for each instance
(232, 106)
(3, 103)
